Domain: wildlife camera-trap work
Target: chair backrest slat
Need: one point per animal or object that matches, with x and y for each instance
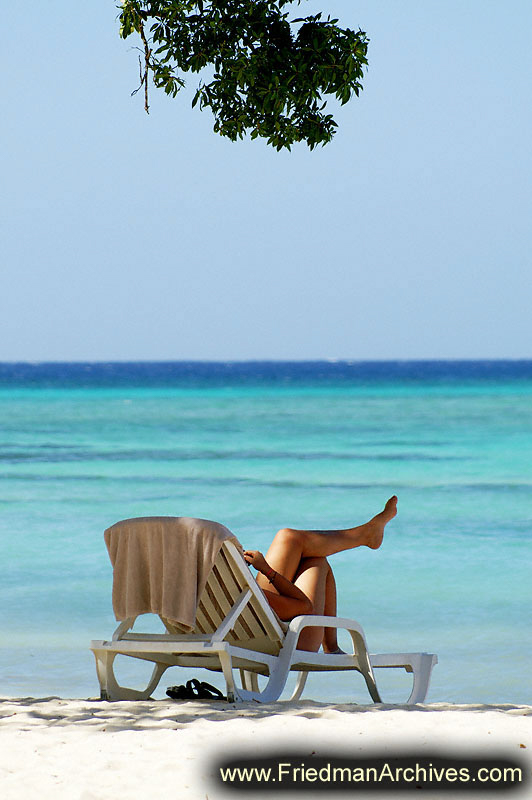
(203, 623)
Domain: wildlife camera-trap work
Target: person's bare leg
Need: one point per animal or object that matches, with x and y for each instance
(311, 578)
(290, 546)
(330, 635)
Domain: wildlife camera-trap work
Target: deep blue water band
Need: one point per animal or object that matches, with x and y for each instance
(211, 373)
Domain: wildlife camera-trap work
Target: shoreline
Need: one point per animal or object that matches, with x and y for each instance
(98, 750)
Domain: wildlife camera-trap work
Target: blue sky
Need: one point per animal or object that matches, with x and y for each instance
(127, 236)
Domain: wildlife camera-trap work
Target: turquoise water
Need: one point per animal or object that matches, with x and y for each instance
(257, 450)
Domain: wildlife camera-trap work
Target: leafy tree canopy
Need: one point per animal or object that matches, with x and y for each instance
(263, 73)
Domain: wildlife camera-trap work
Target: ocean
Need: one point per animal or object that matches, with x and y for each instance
(260, 446)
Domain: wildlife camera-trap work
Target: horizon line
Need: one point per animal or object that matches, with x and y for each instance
(483, 359)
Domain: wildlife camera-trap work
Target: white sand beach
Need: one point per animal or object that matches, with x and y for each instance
(94, 750)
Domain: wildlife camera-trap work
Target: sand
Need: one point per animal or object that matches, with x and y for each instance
(94, 750)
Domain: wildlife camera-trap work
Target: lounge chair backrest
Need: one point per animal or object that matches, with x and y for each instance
(257, 627)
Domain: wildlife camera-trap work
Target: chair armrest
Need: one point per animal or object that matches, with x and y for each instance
(354, 629)
(308, 620)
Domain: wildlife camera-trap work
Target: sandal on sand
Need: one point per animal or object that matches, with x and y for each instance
(179, 693)
(195, 690)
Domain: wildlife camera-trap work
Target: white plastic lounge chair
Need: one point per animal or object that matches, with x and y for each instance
(235, 628)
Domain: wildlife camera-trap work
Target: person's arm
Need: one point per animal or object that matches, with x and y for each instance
(291, 601)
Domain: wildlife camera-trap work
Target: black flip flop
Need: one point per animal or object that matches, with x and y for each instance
(206, 691)
(195, 690)
(179, 693)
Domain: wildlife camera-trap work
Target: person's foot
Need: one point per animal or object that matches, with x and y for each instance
(378, 523)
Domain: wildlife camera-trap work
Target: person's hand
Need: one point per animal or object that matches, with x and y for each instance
(256, 559)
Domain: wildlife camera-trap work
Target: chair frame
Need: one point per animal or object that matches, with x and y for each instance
(213, 651)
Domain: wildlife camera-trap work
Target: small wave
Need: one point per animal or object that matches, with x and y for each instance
(58, 454)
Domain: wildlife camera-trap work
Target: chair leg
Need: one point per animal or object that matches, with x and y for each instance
(300, 685)
(231, 691)
(105, 673)
(274, 687)
(364, 664)
(110, 689)
(422, 669)
(271, 692)
(372, 687)
(249, 680)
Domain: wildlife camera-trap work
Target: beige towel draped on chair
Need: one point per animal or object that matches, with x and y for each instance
(161, 565)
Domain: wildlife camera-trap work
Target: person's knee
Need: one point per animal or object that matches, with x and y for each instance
(288, 537)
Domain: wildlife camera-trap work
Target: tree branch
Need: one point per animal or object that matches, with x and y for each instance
(147, 54)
